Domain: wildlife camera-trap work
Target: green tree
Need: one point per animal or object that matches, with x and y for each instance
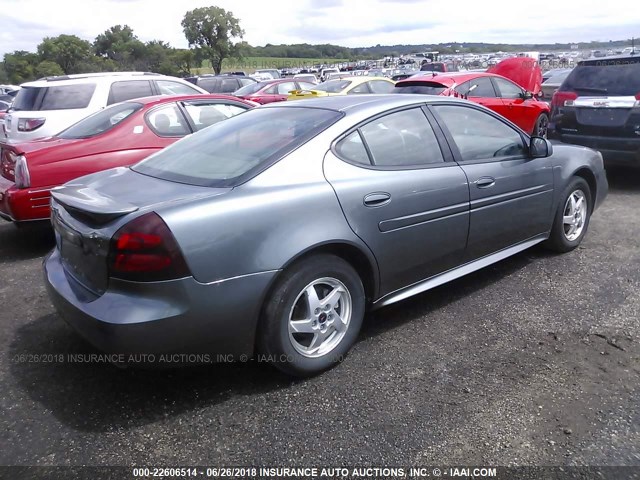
(184, 60)
(19, 66)
(120, 45)
(47, 68)
(68, 51)
(213, 31)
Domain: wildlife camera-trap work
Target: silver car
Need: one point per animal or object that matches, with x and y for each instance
(273, 232)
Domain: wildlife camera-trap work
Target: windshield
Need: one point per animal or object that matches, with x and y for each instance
(428, 88)
(219, 155)
(101, 121)
(333, 86)
(597, 79)
(249, 89)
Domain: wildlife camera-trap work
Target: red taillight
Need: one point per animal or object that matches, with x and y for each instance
(30, 124)
(145, 250)
(559, 99)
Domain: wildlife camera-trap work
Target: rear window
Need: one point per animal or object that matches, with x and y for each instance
(60, 97)
(101, 121)
(602, 78)
(227, 152)
(428, 88)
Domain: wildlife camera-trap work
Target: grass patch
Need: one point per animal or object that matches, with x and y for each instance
(251, 64)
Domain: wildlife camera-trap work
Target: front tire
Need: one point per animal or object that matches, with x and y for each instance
(572, 217)
(313, 316)
(541, 126)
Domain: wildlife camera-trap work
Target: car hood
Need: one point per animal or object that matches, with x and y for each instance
(109, 194)
(525, 71)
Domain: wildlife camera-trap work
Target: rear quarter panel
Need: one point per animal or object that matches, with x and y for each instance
(265, 223)
(571, 160)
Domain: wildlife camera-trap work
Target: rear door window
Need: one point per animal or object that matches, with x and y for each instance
(167, 87)
(483, 88)
(128, 89)
(508, 89)
(209, 84)
(402, 139)
(229, 85)
(59, 97)
(168, 121)
(285, 87)
(204, 114)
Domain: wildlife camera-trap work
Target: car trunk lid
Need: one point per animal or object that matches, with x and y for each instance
(525, 71)
(85, 216)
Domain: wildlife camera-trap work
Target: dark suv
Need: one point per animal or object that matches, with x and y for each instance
(221, 83)
(598, 106)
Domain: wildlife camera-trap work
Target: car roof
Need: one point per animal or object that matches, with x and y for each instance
(157, 99)
(83, 77)
(447, 78)
(353, 103)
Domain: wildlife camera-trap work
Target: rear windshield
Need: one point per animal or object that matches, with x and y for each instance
(428, 88)
(222, 154)
(101, 121)
(601, 78)
(249, 89)
(433, 67)
(59, 97)
(333, 86)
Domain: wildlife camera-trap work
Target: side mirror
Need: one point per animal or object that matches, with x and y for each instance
(540, 148)
(527, 96)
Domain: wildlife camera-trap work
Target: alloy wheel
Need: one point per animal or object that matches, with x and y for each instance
(319, 318)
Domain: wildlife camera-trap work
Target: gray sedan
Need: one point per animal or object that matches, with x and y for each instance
(273, 232)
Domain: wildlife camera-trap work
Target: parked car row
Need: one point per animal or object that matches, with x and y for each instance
(168, 202)
(209, 244)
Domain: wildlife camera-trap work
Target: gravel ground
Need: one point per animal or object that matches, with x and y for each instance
(533, 361)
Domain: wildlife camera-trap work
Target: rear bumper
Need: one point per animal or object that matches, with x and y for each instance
(615, 151)
(172, 317)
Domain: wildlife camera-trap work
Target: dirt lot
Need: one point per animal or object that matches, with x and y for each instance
(534, 361)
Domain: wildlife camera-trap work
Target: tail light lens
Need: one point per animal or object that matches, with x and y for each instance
(14, 167)
(563, 99)
(145, 250)
(637, 99)
(22, 177)
(30, 124)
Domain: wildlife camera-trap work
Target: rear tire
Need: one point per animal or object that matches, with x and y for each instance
(572, 217)
(312, 316)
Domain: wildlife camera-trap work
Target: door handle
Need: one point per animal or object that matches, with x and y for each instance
(485, 182)
(377, 199)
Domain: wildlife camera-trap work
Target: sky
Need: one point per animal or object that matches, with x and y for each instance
(350, 23)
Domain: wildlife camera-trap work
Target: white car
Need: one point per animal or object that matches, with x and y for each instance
(47, 106)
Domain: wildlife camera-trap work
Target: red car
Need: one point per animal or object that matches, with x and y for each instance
(509, 88)
(272, 90)
(117, 136)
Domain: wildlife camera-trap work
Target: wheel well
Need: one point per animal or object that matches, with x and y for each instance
(590, 178)
(354, 257)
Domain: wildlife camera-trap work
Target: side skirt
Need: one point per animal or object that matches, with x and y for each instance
(457, 272)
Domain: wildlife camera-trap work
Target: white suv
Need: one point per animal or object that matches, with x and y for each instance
(47, 106)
